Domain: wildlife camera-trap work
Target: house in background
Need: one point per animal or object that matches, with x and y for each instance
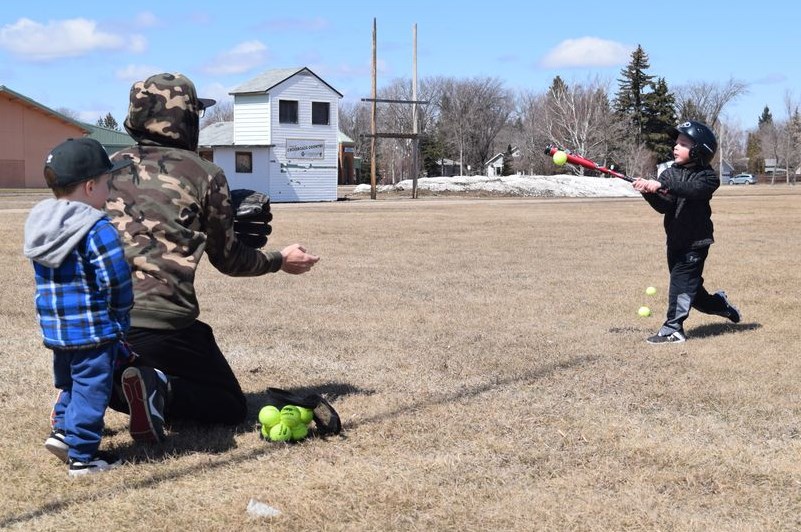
(28, 131)
(347, 167)
(447, 168)
(283, 140)
(725, 170)
(494, 166)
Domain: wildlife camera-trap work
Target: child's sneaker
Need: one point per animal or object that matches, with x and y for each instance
(675, 337)
(56, 443)
(101, 461)
(146, 391)
(731, 312)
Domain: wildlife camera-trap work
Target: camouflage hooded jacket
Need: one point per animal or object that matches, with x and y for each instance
(171, 205)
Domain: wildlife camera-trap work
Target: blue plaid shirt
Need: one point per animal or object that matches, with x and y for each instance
(86, 301)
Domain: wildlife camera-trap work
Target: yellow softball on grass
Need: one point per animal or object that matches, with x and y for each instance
(306, 414)
(280, 432)
(269, 416)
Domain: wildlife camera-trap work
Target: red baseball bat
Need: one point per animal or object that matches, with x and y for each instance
(592, 165)
(586, 163)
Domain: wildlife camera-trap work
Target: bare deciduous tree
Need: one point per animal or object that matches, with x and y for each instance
(69, 113)
(473, 112)
(704, 101)
(219, 112)
(396, 155)
(579, 117)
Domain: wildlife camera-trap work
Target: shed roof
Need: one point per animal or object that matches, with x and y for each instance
(269, 79)
(111, 139)
(36, 105)
(217, 134)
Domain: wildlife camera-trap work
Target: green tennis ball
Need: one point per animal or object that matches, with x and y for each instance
(299, 432)
(306, 414)
(651, 291)
(290, 416)
(269, 416)
(559, 158)
(280, 432)
(644, 312)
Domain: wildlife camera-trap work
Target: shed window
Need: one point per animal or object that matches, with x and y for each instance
(320, 113)
(288, 111)
(244, 162)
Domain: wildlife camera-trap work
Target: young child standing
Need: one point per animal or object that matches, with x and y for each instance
(682, 193)
(83, 297)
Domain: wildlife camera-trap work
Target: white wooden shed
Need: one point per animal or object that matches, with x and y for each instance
(283, 139)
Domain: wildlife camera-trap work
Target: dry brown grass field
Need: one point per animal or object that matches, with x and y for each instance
(490, 368)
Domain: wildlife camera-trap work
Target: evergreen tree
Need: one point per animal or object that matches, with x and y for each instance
(631, 98)
(508, 158)
(558, 86)
(660, 119)
(753, 151)
(432, 151)
(108, 122)
(765, 118)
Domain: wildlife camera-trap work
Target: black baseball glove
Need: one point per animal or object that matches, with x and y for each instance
(252, 217)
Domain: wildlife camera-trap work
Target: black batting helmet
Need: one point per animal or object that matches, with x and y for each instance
(705, 142)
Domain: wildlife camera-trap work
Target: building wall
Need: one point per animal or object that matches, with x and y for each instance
(258, 180)
(27, 135)
(251, 114)
(299, 177)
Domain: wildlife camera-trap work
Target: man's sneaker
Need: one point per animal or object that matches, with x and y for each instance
(56, 443)
(731, 312)
(673, 338)
(146, 391)
(101, 461)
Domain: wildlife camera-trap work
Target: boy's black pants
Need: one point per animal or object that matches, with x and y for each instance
(204, 388)
(687, 289)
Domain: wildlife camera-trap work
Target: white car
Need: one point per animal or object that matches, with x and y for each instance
(743, 179)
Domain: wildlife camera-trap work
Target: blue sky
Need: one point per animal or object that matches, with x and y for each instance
(85, 55)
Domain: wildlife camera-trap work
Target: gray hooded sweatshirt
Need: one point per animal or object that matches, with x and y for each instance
(54, 227)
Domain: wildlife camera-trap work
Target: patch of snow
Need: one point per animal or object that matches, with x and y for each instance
(570, 186)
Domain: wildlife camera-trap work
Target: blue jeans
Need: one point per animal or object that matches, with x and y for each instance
(85, 379)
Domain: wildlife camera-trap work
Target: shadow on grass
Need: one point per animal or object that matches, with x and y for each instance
(719, 329)
(189, 439)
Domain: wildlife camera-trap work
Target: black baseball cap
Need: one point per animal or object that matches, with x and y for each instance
(205, 103)
(76, 160)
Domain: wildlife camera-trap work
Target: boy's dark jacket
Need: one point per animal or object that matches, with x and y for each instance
(688, 216)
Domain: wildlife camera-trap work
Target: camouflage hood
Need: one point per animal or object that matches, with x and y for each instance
(165, 111)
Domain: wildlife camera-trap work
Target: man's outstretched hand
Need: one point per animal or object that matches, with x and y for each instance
(297, 260)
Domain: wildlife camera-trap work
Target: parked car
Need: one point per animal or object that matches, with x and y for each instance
(743, 179)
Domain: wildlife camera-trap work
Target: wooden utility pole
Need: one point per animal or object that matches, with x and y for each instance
(375, 135)
(372, 119)
(416, 140)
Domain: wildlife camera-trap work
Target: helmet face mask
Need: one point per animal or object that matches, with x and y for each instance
(704, 139)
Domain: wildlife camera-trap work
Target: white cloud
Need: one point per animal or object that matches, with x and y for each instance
(587, 52)
(215, 90)
(239, 59)
(146, 19)
(137, 44)
(771, 79)
(61, 38)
